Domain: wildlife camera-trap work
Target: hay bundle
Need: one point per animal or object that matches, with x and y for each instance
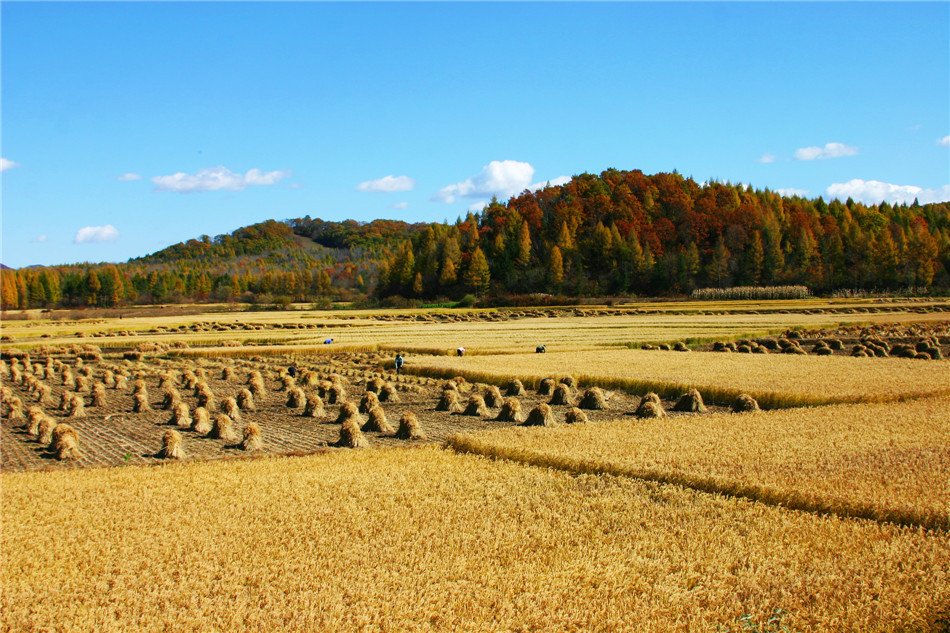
(44, 394)
(121, 383)
(351, 436)
(387, 393)
(139, 386)
(409, 427)
(492, 396)
(201, 373)
(206, 399)
(255, 376)
(64, 399)
(167, 380)
(337, 379)
(368, 401)
(286, 383)
(296, 398)
(230, 406)
(563, 394)
(541, 415)
(650, 407)
(691, 402)
(82, 384)
(108, 377)
(594, 398)
(201, 387)
(223, 428)
(314, 407)
(546, 388)
(44, 430)
(98, 395)
(794, 349)
(575, 416)
(227, 373)
(67, 375)
(349, 411)
(514, 388)
(824, 351)
(252, 440)
(170, 398)
(188, 379)
(323, 388)
(569, 381)
(33, 416)
(374, 384)
(510, 411)
(760, 349)
(181, 416)
(450, 385)
(310, 378)
(476, 406)
(171, 446)
(16, 376)
(378, 422)
(201, 423)
(680, 346)
(449, 401)
(744, 349)
(14, 408)
(835, 344)
(77, 407)
(336, 394)
(245, 400)
(744, 403)
(140, 404)
(64, 442)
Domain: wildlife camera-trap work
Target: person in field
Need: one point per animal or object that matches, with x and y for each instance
(540, 349)
(399, 363)
(328, 341)
(460, 351)
(292, 371)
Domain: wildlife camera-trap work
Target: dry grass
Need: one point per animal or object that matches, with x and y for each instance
(887, 462)
(451, 543)
(775, 380)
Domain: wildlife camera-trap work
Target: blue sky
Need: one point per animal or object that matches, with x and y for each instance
(127, 127)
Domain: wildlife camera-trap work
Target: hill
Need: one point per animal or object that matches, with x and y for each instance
(617, 233)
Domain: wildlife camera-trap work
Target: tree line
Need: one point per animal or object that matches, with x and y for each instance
(617, 233)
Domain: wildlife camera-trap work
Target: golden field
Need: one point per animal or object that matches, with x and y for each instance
(881, 461)
(484, 331)
(425, 540)
(773, 379)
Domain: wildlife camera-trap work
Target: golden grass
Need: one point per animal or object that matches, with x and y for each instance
(450, 542)
(774, 380)
(887, 462)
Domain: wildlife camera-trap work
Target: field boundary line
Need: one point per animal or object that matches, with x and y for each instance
(469, 443)
(713, 394)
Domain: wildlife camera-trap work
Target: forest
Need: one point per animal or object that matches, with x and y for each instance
(620, 233)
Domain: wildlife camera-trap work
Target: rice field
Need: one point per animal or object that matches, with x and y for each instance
(775, 380)
(831, 518)
(428, 540)
(881, 461)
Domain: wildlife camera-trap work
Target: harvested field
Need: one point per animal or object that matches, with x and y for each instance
(775, 380)
(448, 542)
(881, 461)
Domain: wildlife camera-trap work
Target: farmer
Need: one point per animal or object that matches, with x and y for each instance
(399, 362)
(292, 371)
(460, 351)
(328, 341)
(540, 349)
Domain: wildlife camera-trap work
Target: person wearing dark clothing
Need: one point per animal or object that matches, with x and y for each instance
(292, 371)
(399, 362)
(540, 349)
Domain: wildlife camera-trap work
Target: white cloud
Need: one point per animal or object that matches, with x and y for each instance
(216, 178)
(478, 206)
(93, 234)
(767, 158)
(500, 178)
(399, 205)
(39, 239)
(6, 163)
(944, 142)
(830, 150)
(388, 184)
(554, 182)
(791, 191)
(875, 192)
(129, 176)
